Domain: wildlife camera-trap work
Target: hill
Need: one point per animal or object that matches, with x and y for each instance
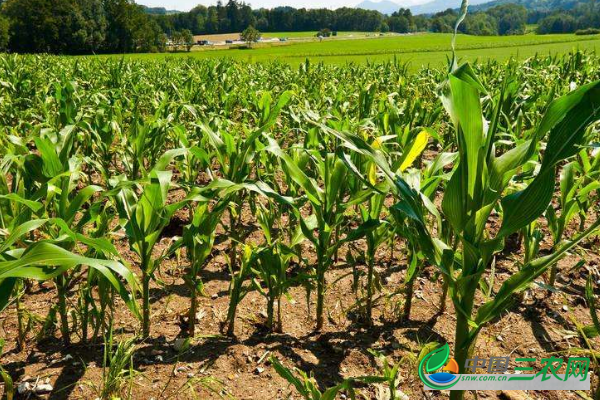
(158, 10)
(535, 5)
(385, 6)
(440, 5)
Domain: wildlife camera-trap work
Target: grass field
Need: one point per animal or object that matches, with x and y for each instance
(294, 36)
(306, 35)
(419, 50)
(313, 34)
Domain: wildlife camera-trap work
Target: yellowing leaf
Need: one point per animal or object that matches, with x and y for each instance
(373, 168)
(414, 150)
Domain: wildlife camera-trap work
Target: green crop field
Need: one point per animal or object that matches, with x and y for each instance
(245, 224)
(419, 49)
(180, 220)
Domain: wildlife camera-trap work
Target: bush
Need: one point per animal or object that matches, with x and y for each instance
(588, 31)
(4, 33)
(559, 23)
(325, 32)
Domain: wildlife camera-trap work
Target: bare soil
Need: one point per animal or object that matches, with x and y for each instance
(544, 325)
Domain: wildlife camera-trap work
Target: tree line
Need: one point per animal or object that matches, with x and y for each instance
(582, 18)
(78, 27)
(122, 26)
(235, 16)
(501, 19)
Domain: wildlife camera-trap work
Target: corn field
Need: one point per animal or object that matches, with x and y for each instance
(170, 212)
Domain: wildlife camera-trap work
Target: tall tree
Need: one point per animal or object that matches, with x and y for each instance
(130, 29)
(37, 26)
(233, 15)
(4, 33)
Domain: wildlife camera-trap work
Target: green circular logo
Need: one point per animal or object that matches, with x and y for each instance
(432, 362)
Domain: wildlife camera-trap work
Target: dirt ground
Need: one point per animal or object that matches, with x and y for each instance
(218, 37)
(239, 368)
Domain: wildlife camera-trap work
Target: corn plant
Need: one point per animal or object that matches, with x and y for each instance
(236, 156)
(15, 211)
(371, 211)
(307, 386)
(45, 259)
(6, 378)
(588, 168)
(104, 129)
(270, 272)
(364, 166)
(391, 373)
(238, 287)
(198, 239)
(594, 329)
(93, 309)
(271, 267)
(52, 180)
(117, 366)
(569, 209)
(328, 207)
(476, 189)
(145, 141)
(56, 173)
(578, 181)
(144, 217)
(532, 238)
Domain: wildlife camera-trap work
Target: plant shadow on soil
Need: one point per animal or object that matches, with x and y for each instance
(329, 349)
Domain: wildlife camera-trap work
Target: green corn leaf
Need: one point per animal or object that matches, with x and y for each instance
(454, 204)
(44, 261)
(355, 234)
(102, 245)
(567, 120)
(6, 290)
(502, 168)
(524, 207)
(32, 205)
(312, 190)
(51, 163)
(20, 231)
(164, 161)
(588, 189)
(227, 188)
(336, 183)
(331, 393)
(288, 376)
(527, 274)
(461, 99)
(591, 300)
(284, 99)
(82, 197)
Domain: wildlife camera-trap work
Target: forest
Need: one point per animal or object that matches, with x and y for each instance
(122, 26)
